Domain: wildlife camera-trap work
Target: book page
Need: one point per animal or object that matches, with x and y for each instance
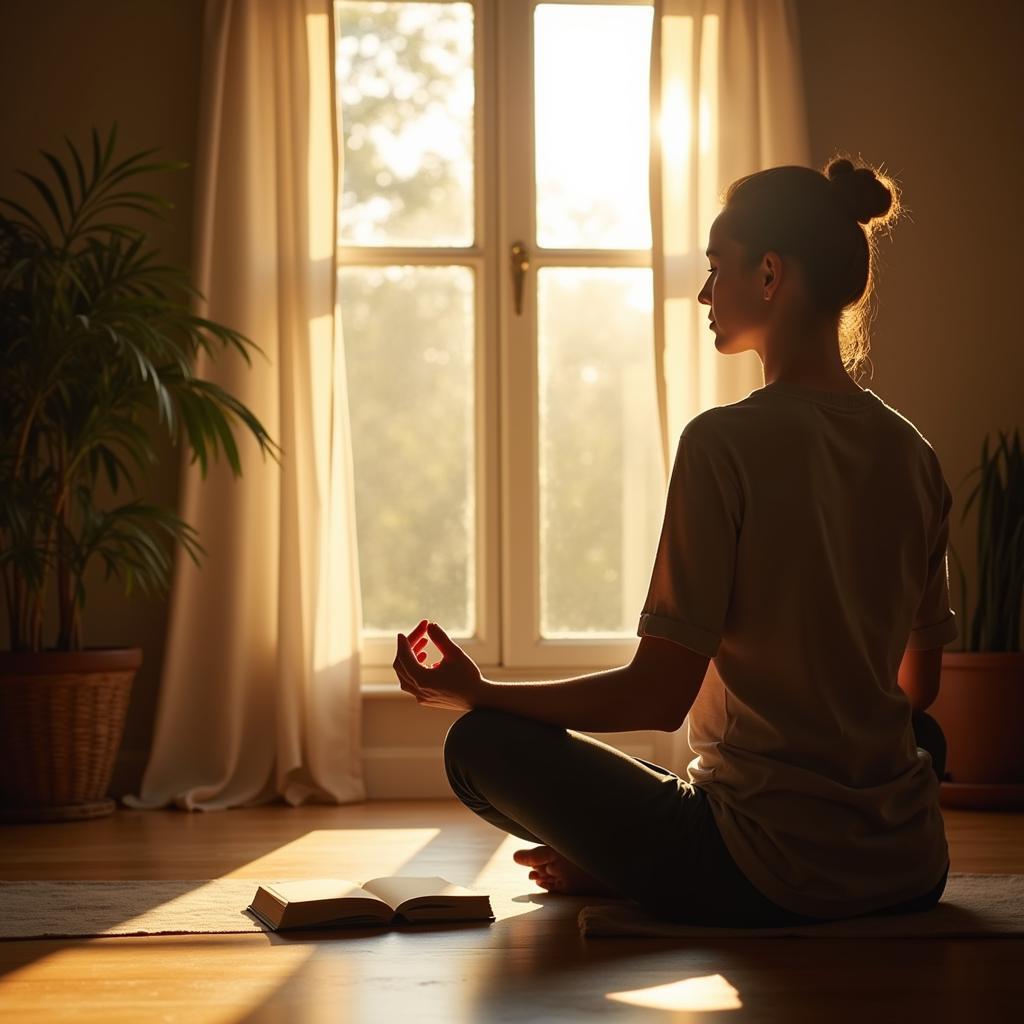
(306, 890)
(396, 890)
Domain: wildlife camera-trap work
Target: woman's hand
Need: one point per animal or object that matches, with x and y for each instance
(453, 682)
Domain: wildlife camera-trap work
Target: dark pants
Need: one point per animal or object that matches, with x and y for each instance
(635, 826)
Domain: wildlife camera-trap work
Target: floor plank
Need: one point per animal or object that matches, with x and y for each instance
(531, 964)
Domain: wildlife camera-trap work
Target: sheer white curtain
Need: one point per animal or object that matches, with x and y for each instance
(260, 691)
(727, 99)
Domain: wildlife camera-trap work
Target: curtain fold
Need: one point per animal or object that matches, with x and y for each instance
(727, 99)
(259, 696)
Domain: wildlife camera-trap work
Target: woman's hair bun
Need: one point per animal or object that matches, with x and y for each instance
(858, 190)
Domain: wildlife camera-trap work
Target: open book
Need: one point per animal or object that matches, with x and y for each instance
(336, 901)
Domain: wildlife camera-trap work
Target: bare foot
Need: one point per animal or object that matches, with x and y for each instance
(552, 871)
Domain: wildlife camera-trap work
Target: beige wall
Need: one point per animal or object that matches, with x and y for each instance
(930, 90)
(66, 65)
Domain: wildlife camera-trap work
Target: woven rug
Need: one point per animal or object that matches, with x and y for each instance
(37, 910)
(972, 905)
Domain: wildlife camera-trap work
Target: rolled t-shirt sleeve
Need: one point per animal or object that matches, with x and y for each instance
(692, 580)
(935, 622)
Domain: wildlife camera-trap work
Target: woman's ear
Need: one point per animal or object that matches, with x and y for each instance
(771, 272)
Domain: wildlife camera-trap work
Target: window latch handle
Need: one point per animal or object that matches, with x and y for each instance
(520, 265)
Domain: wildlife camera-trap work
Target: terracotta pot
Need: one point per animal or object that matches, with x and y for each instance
(981, 710)
(62, 714)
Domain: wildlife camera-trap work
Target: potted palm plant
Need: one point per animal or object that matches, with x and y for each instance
(981, 697)
(97, 350)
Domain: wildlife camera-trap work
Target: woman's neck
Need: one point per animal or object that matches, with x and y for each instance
(808, 355)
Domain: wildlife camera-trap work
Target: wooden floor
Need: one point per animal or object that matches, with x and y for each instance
(531, 964)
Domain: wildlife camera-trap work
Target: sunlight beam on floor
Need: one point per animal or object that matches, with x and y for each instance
(54, 987)
(357, 854)
(709, 992)
(494, 879)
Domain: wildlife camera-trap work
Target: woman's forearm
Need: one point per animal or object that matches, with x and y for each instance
(611, 701)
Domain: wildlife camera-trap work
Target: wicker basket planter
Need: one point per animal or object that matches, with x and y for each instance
(99, 334)
(61, 719)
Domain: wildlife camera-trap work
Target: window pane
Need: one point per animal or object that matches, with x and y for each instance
(405, 88)
(408, 335)
(592, 118)
(601, 484)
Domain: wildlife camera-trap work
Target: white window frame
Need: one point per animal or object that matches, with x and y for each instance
(507, 642)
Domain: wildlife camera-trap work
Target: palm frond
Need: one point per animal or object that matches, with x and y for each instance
(96, 335)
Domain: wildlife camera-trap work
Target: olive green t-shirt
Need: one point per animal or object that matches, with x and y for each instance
(803, 550)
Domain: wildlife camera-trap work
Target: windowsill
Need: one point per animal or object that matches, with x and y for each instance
(387, 693)
(382, 691)
(380, 681)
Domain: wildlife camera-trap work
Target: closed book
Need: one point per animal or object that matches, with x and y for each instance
(327, 902)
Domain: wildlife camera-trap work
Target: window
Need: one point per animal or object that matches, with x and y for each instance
(496, 300)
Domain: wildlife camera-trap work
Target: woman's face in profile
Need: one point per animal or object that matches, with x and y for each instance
(734, 292)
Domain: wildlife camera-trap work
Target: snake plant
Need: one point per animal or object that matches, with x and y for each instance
(995, 625)
(97, 349)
